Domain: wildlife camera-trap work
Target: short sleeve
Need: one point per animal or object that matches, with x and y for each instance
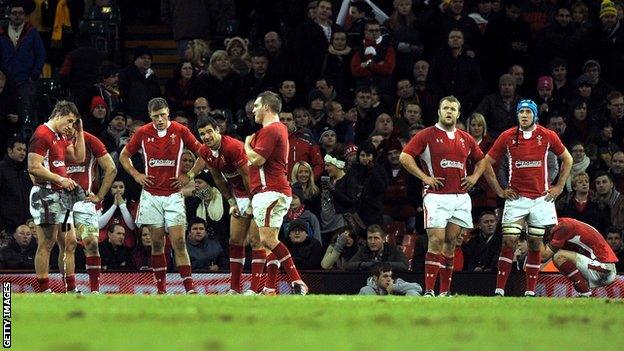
(135, 142)
(416, 145)
(97, 147)
(555, 143)
(496, 151)
(190, 141)
(39, 145)
(265, 141)
(475, 151)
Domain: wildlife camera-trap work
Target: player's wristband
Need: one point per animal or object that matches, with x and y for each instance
(232, 201)
(191, 174)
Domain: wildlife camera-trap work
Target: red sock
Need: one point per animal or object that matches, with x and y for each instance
(283, 255)
(532, 269)
(159, 265)
(432, 267)
(187, 279)
(44, 284)
(572, 273)
(237, 261)
(258, 260)
(446, 274)
(505, 261)
(272, 268)
(70, 282)
(94, 265)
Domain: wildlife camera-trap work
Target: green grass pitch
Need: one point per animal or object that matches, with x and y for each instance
(329, 323)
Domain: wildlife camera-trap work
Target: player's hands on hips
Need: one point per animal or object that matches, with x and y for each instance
(434, 182)
(144, 180)
(553, 193)
(93, 198)
(508, 193)
(180, 181)
(249, 139)
(68, 184)
(468, 182)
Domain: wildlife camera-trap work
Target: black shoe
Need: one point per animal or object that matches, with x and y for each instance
(299, 289)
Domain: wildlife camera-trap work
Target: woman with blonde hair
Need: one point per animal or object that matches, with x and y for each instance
(197, 52)
(483, 196)
(302, 175)
(221, 82)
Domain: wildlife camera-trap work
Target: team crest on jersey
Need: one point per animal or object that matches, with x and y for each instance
(173, 139)
(539, 139)
(463, 142)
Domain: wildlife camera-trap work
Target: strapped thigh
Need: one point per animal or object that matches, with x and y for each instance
(511, 229)
(536, 231)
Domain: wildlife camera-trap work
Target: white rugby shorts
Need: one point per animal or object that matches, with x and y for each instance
(440, 209)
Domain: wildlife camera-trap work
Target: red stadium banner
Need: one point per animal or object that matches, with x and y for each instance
(552, 285)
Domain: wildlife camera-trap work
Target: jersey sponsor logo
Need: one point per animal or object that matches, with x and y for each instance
(528, 164)
(229, 175)
(154, 162)
(75, 169)
(58, 163)
(444, 163)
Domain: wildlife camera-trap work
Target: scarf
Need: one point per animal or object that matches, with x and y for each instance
(576, 169)
(294, 214)
(211, 207)
(61, 21)
(344, 52)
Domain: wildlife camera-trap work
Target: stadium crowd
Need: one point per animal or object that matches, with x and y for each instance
(356, 85)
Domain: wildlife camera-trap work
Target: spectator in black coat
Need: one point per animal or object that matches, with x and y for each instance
(115, 256)
(614, 238)
(499, 109)
(482, 250)
(138, 84)
(608, 44)
(337, 63)
(188, 19)
(183, 88)
(581, 204)
(453, 72)
(20, 252)
(376, 251)
(258, 79)
(306, 251)
(15, 185)
(222, 82)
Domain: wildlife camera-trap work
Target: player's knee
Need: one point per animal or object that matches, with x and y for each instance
(534, 243)
(559, 259)
(269, 242)
(158, 246)
(91, 246)
(178, 244)
(70, 246)
(237, 240)
(510, 241)
(436, 242)
(45, 245)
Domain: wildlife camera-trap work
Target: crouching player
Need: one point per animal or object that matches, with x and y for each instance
(581, 254)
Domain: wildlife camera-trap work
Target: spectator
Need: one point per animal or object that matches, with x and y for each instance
(365, 115)
(204, 252)
(499, 109)
(183, 88)
(614, 238)
(327, 87)
(301, 176)
(221, 83)
(187, 161)
(609, 198)
(141, 255)
(115, 256)
(448, 17)
(381, 283)
(580, 15)
(206, 203)
(453, 72)
(606, 39)
(198, 53)
(483, 248)
(482, 14)
(482, 195)
(138, 84)
(600, 88)
(15, 185)
(617, 170)
(422, 87)
(201, 108)
(545, 99)
(411, 115)
(398, 204)
(405, 94)
(299, 212)
(22, 56)
(605, 143)
(279, 61)
(334, 119)
(288, 93)
(20, 252)
(337, 194)
(96, 121)
(377, 251)
(108, 86)
(584, 92)
(562, 87)
(582, 126)
(342, 247)
(238, 55)
(258, 80)
(316, 103)
(116, 135)
(371, 180)
(580, 203)
(301, 146)
(303, 118)
(189, 20)
(373, 63)
(580, 164)
(10, 124)
(246, 124)
(117, 209)
(359, 11)
(329, 144)
(337, 63)
(615, 108)
(408, 39)
(306, 251)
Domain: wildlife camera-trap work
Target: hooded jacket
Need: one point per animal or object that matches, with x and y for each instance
(401, 287)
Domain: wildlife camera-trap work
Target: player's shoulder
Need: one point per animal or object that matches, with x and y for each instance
(178, 127)
(43, 130)
(509, 132)
(464, 134)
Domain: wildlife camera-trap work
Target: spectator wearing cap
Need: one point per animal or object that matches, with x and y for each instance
(116, 133)
(222, 122)
(499, 109)
(138, 84)
(95, 122)
(298, 211)
(328, 142)
(80, 71)
(334, 119)
(607, 39)
(305, 250)
(301, 146)
(544, 97)
(600, 88)
(108, 86)
(585, 92)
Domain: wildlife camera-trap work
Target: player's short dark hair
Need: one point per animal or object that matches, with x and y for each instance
(375, 228)
(196, 220)
(381, 268)
(603, 173)
(64, 108)
(10, 144)
(271, 100)
(449, 98)
(156, 104)
(205, 122)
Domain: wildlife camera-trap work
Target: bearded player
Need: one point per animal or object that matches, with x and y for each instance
(161, 204)
(85, 216)
(48, 151)
(443, 150)
(529, 197)
(581, 253)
